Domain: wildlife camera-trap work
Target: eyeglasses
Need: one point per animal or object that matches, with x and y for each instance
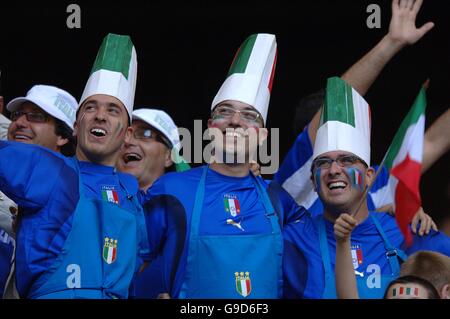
(31, 116)
(147, 134)
(342, 161)
(228, 112)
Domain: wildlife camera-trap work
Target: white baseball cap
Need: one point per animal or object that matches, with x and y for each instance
(161, 121)
(55, 101)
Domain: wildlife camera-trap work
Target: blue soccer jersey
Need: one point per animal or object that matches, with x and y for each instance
(45, 185)
(231, 207)
(303, 267)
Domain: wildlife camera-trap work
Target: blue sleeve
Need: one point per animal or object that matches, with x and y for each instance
(381, 180)
(380, 194)
(28, 173)
(155, 212)
(434, 241)
(144, 250)
(284, 203)
(299, 154)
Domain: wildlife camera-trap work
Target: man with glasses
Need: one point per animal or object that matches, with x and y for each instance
(294, 173)
(217, 227)
(44, 117)
(150, 150)
(340, 172)
(147, 151)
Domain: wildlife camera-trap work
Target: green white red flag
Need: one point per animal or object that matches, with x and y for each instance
(404, 162)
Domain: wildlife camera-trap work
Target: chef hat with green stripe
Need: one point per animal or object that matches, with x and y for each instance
(114, 71)
(344, 122)
(250, 77)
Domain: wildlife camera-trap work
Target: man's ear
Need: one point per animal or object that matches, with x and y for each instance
(263, 133)
(60, 142)
(128, 134)
(370, 175)
(75, 128)
(168, 158)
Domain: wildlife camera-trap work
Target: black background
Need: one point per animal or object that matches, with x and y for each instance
(184, 50)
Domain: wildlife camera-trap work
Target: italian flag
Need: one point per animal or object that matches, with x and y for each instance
(243, 284)
(357, 178)
(110, 196)
(404, 161)
(232, 206)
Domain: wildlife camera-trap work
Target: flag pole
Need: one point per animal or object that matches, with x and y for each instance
(368, 187)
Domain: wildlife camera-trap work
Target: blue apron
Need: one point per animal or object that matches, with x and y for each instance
(99, 256)
(233, 266)
(364, 291)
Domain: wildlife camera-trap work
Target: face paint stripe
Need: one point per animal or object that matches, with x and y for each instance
(416, 291)
(356, 177)
(401, 291)
(408, 291)
(317, 180)
(394, 292)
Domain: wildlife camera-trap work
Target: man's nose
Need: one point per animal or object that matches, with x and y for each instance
(236, 118)
(21, 121)
(100, 113)
(335, 168)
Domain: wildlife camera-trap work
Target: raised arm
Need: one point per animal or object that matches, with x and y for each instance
(437, 141)
(402, 32)
(346, 287)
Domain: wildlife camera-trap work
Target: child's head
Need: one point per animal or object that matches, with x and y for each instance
(432, 266)
(411, 287)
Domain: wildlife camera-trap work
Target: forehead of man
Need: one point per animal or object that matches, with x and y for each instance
(142, 124)
(103, 99)
(236, 105)
(28, 106)
(240, 106)
(336, 154)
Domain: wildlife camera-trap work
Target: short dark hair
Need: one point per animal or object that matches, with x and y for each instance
(432, 291)
(63, 130)
(305, 110)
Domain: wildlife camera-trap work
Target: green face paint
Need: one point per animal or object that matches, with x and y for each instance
(119, 129)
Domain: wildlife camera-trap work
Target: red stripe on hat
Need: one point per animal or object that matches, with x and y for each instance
(235, 56)
(272, 73)
(401, 291)
(416, 291)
